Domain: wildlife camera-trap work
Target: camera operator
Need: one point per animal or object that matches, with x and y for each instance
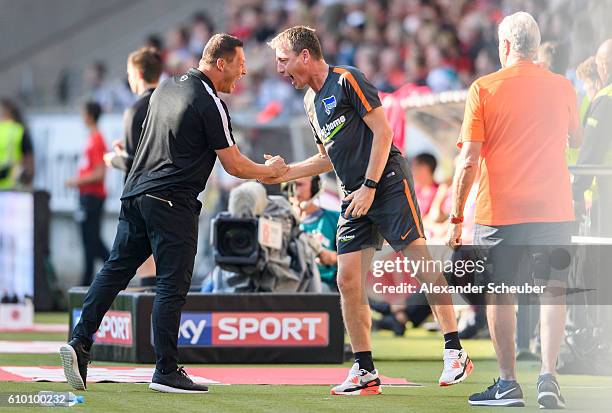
(320, 223)
(259, 247)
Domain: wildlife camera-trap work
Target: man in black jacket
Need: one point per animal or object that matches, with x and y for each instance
(186, 128)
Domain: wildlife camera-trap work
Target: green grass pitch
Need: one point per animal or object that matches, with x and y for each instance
(416, 357)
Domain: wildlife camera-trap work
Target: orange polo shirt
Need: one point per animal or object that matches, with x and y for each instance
(523, 115)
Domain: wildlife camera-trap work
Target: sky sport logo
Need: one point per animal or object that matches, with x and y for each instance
(115, 329)
(287, 329)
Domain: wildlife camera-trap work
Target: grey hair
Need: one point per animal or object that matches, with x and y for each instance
(523, 33)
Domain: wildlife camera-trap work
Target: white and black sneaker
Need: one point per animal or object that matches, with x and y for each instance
(549, 393)
(457, 366)
(359, 382)
(495, 395)
(175, 382)
(75, 358)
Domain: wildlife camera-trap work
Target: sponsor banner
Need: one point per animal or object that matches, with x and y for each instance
(115, 329)
(250, 329)
(224, 328)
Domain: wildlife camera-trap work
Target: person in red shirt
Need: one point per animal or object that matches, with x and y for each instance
(423, 168)
(90, 182)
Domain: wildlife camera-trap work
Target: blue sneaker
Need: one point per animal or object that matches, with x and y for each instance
(549, 393)
(495, 395)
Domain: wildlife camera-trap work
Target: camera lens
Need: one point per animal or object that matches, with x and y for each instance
(238, 241)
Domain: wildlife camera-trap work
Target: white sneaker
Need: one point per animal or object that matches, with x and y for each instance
(457, 366)
(359, 382)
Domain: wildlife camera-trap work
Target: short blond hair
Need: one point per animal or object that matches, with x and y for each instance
(298, 38)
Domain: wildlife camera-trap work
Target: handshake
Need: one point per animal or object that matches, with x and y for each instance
(277, 166)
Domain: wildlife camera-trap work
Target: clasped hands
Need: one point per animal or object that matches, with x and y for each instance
(278, 167)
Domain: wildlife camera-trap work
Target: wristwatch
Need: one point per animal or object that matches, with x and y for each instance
(370, 183)
(456, 220)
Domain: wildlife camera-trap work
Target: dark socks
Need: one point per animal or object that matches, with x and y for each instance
(364, 359)
(451, 341)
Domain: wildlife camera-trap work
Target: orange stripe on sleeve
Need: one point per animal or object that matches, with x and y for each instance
(349, 76)
(415, 216)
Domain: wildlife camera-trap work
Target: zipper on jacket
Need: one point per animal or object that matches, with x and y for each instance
(159, 199)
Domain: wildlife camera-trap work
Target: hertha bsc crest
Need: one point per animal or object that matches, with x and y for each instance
(329, 103)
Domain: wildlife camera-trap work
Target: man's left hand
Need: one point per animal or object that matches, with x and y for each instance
(361, 201)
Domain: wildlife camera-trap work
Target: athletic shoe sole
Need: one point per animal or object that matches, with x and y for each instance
(367, 391)
(71, 367)
(549, 400)
(500, 402)
(168, 389)
(469, 366)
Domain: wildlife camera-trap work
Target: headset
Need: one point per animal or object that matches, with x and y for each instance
(315, 186)
(315, 190)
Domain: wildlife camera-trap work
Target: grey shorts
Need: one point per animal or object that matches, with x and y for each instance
(521, 253)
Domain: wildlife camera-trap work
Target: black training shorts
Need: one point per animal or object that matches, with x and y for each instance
(394, 215)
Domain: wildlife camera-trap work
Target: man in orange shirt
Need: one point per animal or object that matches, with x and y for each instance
(516, 126)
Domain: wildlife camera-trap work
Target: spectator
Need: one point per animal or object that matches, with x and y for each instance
(153, 41)
(178, 57)
(16, 152)
(451, 43)
(90, 183)
(321, 223)
(554, 56)
(597, 148)
(392, 73)
(423, 169)
(591, 82)
(415, 309)
(109, 95)
(201, 31)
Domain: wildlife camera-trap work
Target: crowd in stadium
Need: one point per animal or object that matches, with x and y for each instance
(441, 45)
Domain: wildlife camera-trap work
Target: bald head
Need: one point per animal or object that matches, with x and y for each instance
(603, 58)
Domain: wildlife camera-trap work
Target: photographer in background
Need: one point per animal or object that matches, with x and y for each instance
(259, 247)
(320, 223)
